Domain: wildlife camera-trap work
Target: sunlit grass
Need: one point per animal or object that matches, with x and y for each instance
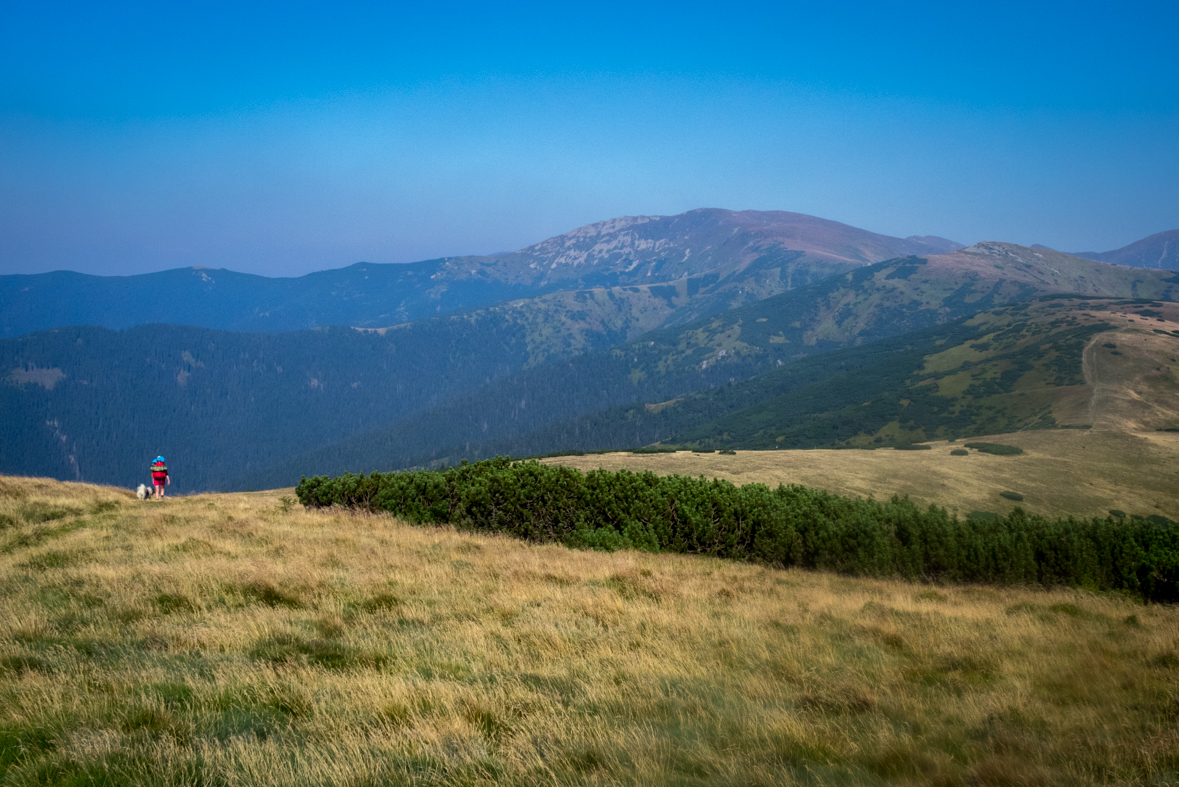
(236, 639)
(1061, 472)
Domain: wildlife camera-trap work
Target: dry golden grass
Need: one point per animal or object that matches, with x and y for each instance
(235, 639)
(1123, 463)
(1061, 472)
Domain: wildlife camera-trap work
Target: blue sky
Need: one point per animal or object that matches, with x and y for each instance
(285, 138)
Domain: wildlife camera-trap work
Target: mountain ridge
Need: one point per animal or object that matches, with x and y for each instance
(244, 402)
(867, 304)
(625, 251)
(1159, 251)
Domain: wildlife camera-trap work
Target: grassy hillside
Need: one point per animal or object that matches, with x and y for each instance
(223, 639)
(1025, 369)
(1061, 472)
(1047, 364)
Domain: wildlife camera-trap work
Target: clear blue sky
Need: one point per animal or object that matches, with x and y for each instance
(289, 137)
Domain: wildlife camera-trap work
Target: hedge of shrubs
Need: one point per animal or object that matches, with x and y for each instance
(787, 526)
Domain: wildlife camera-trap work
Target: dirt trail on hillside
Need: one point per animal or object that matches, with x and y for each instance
(1135, 386)
(1089, 370)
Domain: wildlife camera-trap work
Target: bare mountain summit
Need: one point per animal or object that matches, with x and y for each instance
(1160, 251)
(648, 249)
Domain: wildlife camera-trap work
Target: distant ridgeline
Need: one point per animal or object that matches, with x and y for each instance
(725, 257)
(789, 526)
(768, 347)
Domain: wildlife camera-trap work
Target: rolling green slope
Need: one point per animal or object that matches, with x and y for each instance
(1028, 366)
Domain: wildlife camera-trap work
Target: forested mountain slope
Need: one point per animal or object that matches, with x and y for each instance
(540, 410)
(1052, 363)
(85, 403)
(750, 254)
(1028, 366)
(88, 403)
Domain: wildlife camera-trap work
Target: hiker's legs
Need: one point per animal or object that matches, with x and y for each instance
(159, 491)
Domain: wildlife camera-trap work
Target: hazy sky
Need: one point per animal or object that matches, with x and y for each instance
(289, 137)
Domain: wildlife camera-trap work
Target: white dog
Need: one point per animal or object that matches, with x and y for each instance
(142, 492)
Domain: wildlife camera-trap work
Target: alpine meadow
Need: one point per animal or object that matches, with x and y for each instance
(621, 396)
(940, 541)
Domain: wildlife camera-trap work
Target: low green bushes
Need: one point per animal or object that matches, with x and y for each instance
(959, 452)
(998, 449)
(787, 526)
(1016, 496)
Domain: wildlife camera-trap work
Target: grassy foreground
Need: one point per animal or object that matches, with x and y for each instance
(235, 639)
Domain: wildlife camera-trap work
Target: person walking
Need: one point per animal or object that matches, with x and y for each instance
(159, 476)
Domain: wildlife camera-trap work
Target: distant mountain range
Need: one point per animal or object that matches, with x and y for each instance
(1160, 251)
(553, 408)
(548, 348)
(735, 255)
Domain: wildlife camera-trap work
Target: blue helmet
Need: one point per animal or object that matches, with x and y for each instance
(159, 459)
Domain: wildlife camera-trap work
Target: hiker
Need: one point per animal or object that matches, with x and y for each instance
(159, 476)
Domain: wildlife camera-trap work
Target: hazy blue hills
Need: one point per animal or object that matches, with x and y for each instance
(361, 294)
(733, 247)
(1160, 250)
(84, 402)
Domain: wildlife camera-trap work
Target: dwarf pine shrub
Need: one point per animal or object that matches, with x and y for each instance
(998, 449)
(788, 526)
